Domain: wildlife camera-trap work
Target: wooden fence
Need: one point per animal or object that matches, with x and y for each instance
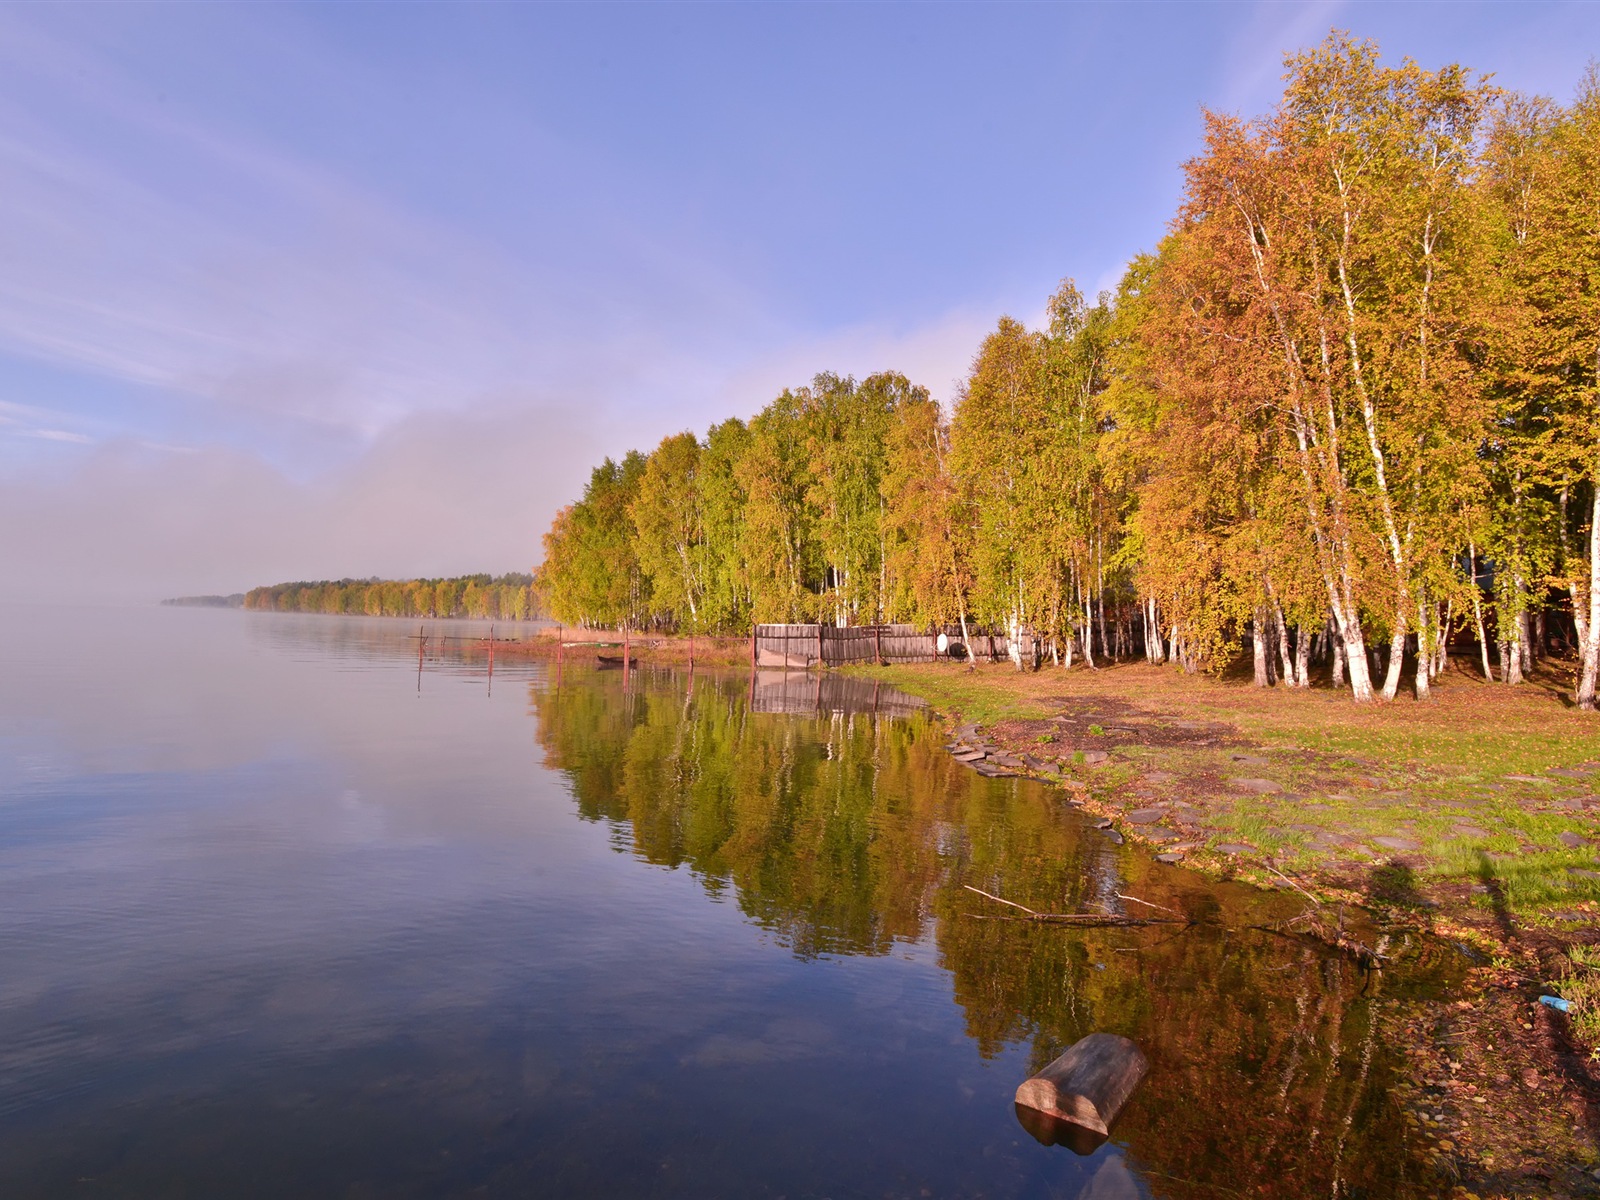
(802, 646)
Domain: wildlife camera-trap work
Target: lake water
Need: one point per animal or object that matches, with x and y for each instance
(284, 912)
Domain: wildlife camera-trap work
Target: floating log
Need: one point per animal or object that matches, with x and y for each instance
(1089, 1084)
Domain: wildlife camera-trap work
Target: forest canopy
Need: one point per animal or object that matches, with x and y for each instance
(1348, 407)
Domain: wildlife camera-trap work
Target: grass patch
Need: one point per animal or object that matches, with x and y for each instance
(1580, 987)
(1250, 824)
(1526, 882)
(969, 695)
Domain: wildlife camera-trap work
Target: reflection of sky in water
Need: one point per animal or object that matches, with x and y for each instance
(275, 923)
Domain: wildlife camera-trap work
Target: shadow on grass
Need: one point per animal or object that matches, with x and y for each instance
(1497, 895)
(1558, 693)
(1394, 884)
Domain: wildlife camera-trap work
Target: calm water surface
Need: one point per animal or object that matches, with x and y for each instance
(284, 912)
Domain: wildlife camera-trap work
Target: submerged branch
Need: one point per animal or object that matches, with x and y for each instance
(1081, 919)
(998, 900)
(1293, 884)
(1147, 904)
(1334, 939)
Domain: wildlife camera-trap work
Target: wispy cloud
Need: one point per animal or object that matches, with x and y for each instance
(1251, 70)
(214, 265)
(59, 435)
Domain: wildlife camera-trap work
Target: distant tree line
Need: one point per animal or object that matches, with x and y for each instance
(235, 600)
(487, 597)
(1348, 408)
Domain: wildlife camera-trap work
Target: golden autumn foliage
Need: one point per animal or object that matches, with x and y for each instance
(1348, 409)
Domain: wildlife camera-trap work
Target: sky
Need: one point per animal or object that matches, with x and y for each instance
(310, 291)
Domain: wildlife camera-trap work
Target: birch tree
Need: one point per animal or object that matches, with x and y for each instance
(926, 547)
(669, 529)
(995, 445)
(1544, 177)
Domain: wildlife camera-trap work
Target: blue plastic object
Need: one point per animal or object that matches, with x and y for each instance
(1555, 1002)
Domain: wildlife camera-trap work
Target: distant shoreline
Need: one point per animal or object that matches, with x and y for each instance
(236, 600)
(483, 596)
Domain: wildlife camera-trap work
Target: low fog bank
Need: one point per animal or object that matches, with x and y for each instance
(436, 495)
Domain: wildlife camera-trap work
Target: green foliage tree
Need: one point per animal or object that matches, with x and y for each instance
(669, 524)
(926, 564)
(591, 573)
(725, 577)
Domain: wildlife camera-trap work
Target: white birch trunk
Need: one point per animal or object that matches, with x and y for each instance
(1088, 625)
(1369, 416)
(1355, 656)
(1397, 655)
(1477, 611)
(1258, 643)
(1424, 683)
(1511, 642)
(1286, 660)
(1589, 672)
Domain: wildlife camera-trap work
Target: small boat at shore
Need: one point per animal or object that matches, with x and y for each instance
(616, 660)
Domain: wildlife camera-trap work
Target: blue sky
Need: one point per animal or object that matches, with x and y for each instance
(292, 291)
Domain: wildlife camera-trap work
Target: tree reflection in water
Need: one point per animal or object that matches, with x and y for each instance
(843, 831)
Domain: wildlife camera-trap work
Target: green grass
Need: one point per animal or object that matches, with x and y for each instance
(955, 691)
(1581, 989)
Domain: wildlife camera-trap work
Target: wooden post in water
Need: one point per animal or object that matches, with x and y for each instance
(1089, 1084)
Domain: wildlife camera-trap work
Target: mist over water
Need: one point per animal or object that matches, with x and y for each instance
(285, 911)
